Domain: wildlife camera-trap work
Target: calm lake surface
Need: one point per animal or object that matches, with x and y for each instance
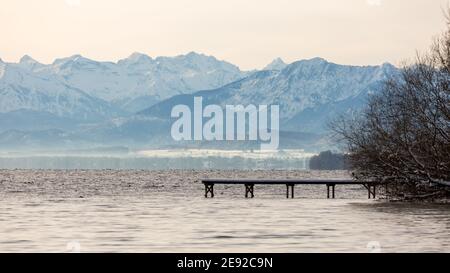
(165, 211)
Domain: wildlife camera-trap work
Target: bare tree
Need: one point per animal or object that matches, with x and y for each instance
(403, 136)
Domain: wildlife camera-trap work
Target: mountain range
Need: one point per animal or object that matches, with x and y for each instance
(78, 101)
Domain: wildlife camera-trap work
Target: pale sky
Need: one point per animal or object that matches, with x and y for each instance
(248, 33)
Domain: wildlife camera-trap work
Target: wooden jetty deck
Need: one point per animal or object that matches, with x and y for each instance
(290, 184)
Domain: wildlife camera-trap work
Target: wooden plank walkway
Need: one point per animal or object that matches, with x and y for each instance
(290, 184)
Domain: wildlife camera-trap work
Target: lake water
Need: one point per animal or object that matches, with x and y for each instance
(165, 211)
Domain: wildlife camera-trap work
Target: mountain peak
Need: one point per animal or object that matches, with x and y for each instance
(388, 66)
(26, 59)
(276, 64)
(194, 54)
(29, 63)
(73, 58)
(135, 58)
(316, 60)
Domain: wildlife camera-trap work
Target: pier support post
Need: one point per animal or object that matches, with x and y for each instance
(332, 186)
(249, 189)
(372, 193)
(209, 188)
(292, 190)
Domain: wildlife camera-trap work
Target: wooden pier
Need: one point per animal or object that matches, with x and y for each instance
(290, 184)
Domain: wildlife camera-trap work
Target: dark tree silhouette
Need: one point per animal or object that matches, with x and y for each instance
(328, 161)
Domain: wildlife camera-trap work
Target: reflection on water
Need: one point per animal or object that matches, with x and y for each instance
(142, 211)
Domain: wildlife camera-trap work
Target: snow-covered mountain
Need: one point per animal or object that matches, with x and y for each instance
(311, 91)
(134, 83)
(277, 64)
(21, 89)
(97, 99)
